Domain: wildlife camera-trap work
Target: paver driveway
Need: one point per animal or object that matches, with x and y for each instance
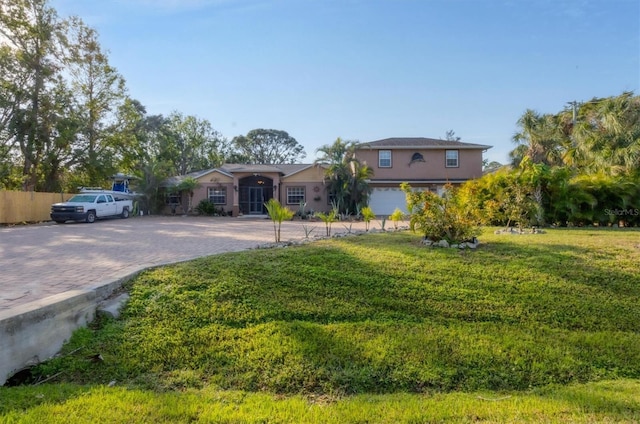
(43, 260)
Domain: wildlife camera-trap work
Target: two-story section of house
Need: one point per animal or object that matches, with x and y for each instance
(424, 163)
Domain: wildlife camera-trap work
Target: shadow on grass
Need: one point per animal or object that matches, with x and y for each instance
(526, 280)
(376, 314)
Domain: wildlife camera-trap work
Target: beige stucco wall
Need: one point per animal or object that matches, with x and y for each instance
(315, 193)
(313, 173)
(469, 161)
(315, 196)
(214, 180)
(311, 179)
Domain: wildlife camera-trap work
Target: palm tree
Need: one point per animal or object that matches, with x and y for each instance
(188, 185)
(277, 213)
(347, 179)
(358, 186)
(337, 158)
(539, 139)
(607, 134)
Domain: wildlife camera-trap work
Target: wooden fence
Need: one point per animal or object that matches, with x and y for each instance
(27, 206)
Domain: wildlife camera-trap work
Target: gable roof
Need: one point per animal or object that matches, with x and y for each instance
(177, 179)
(229, 169)
(420, 142)
(283, 169)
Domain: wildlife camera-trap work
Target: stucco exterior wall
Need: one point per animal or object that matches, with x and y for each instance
(311, 179)
(315, 196)
(433, 167)
(214, 179)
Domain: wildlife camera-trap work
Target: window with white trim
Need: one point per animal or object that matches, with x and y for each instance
(218, 195)
(295, 195)
(384, 158)
(451, 158)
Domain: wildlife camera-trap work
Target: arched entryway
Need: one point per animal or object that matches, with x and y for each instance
(254, 192)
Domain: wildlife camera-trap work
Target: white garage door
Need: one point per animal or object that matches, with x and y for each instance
(384, 201)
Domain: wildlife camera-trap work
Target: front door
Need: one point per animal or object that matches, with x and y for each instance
(256, 200)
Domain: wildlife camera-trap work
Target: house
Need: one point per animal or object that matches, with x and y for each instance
(425, 163)
(241, 189)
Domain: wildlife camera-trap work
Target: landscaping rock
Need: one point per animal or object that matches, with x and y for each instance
(443, 243)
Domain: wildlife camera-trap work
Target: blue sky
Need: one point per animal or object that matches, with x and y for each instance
(368, 69)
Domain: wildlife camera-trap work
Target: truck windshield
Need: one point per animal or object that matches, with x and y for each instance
(82, 198)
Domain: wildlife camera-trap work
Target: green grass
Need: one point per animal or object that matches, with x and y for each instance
(372, 328)
(602, 402)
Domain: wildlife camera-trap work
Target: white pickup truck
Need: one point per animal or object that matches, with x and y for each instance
(89, 207)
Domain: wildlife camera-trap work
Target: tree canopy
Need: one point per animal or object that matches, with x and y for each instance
(580, 166)
(267, 146)
(600, 135)
(66, 119)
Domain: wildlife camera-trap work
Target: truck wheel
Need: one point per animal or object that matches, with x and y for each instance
(125, 213)
(91, 217)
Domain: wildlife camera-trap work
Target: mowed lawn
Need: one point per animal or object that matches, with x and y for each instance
(371, 328)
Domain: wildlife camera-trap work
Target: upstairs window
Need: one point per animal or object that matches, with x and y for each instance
(384, 158)
(295, 195)
(451, 158)
(417, 157)
(218, 195)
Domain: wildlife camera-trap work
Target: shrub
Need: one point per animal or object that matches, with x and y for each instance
(205, 207)
(396, 217)
(367, 216)
(439, 218)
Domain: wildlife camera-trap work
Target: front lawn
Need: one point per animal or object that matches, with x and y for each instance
(368, 328)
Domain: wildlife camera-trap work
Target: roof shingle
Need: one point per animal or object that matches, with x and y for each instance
(420, 142)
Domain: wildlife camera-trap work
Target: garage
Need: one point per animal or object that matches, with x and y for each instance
(384, 200)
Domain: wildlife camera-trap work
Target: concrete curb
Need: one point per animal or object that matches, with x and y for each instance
(34, 332)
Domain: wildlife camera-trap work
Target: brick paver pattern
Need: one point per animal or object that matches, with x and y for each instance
(38, 261)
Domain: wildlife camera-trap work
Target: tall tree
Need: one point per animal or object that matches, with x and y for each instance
(99, 92)
(191, 144)
(268, 147)
(538, 139)
(34, 35)
(600, 135)
(9, 104)
(607, 134)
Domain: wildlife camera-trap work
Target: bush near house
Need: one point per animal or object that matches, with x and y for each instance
(535, 194)
(205, 207)
(444, 217)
